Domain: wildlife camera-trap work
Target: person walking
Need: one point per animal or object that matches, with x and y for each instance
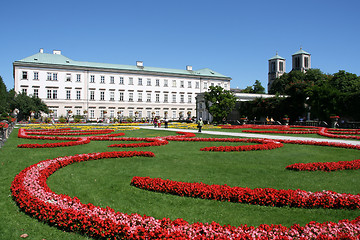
(200, 124)
(155, 122)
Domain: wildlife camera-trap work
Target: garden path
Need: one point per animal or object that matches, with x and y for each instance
(256, 135)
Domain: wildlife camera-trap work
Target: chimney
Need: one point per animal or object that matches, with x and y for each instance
(41, 50)
(189, 68)
(58, 52)
(139, 64)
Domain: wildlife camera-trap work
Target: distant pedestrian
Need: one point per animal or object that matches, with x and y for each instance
(166, 121)
(200, 124)
(155, 122)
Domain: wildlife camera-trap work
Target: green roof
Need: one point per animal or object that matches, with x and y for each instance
(277, 57)
(57, 59)
(301, 52)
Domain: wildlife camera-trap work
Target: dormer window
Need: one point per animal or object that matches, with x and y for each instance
(68, 77)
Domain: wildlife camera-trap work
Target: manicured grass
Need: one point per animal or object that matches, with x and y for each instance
(107, 182)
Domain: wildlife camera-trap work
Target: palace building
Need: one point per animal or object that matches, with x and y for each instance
(103, 90)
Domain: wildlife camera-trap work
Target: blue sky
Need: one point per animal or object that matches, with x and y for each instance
(233, 37)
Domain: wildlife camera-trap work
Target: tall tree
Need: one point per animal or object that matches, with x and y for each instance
(4, 106)
(256, 88)
(219, 102)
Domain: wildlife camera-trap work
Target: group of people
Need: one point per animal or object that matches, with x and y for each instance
(157, 122)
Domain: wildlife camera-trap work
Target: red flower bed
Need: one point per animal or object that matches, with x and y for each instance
(4, 125)
(258, 196)
(75, 141)
(326, 166)
(149, 142)
(32, 195)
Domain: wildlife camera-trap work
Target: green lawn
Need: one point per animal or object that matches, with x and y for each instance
(106, 182)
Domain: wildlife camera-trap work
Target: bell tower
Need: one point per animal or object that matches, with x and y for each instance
(276, 68)
(301, 61)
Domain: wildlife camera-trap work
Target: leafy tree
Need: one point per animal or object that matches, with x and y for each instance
(256, 88)
(4, 106)
(26, 104)
(219, 102)
(345, 82)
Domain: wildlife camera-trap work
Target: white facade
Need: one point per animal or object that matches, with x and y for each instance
(100, 90)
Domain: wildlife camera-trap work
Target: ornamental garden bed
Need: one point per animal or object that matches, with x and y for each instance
(107, 182)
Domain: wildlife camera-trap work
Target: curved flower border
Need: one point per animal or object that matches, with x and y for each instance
(30, 191)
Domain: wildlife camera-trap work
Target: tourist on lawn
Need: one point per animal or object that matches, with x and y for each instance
(200, 124)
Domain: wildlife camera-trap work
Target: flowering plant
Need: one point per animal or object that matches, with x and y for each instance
(4, 125)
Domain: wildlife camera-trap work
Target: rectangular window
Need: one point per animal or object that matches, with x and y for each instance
(148, 82)
(68, 77)
(181, 84)
(24, 75)
(131, 113)
(78, 77)
(78, 112)
(189, 98)
(68, 94)
(212, 84)
(36, 75)
(281, 66)
(272, 67)
(148, 114)
(121, 81)
(157, 113)
(55, 113)
(102, 95)
(140, 114)
(112, 113)
(92, 95)
(173, 114)
(157, 97)
(131, 81)
(48, 94)
(54, 94)
(140, 81)
(24, 91)
(148, 97)
(78, 94)
(165, 83)
(92, 78)
(189, 84)
(139, 96)
(112, 80)
(166, 98)
(112, 96)
(182, 98)
(205, 85)
(55, 77)
(197, 85)
(306, 62)
(225, 86)
(49, 76)
(174, 98)
(157, 82)
(92, 113)
(102, 79)
(131, 97)
(173, 83)
(36, 92)
(121, 96)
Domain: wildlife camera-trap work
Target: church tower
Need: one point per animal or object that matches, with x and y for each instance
(301, 61)
(276, 68)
